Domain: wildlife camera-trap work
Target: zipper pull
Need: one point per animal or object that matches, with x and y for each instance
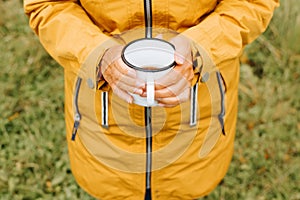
(76, 125)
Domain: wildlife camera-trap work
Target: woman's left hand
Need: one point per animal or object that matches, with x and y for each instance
(174, 87)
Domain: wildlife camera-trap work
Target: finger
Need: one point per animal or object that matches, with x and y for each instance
(127, 83)
(179, 58)
(170, 78)
(185, 70)
(173, 90)
(130, 82)
(128, 88)
(117, 65)
(117, 75)
(128, 75)
(176, 75)
(124, 69)
(173, 101)
(122, 94)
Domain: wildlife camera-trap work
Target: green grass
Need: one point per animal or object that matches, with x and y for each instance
(33, 152)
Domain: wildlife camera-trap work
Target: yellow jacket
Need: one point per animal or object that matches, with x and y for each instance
(106, 136)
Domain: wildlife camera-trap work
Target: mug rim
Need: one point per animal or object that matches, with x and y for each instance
(143, 69)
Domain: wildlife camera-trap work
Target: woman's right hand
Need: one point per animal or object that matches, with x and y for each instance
(121, 78)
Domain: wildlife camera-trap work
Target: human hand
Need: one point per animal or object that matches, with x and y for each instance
(174, 88)
(119, 76)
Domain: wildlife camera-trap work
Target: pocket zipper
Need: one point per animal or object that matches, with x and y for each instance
(222, 112)
(77, 116)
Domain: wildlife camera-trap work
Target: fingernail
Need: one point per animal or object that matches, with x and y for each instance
(130, 100)
(179, 59)
(138, 91)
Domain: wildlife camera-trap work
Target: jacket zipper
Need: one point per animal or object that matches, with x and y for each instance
(148, 124)
(77, 116)
(148, 18)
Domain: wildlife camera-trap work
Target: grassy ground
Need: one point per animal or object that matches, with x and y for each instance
(33, 153)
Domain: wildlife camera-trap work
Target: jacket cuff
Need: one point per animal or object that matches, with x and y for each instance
(202, 62)
(197, 63)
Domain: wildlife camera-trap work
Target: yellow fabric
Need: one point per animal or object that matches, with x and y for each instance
(188, 162)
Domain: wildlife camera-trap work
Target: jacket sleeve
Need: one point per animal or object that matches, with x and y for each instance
(64, 29)
(232, 25)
